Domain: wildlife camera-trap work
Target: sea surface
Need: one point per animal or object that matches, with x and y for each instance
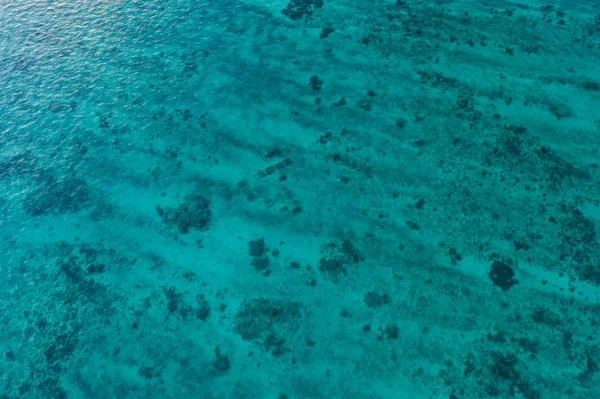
(299, 199)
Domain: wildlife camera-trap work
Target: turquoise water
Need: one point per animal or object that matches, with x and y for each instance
(305, 199)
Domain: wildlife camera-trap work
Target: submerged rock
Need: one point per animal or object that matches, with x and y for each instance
(193, 213)
(58, 196)
(298, 9)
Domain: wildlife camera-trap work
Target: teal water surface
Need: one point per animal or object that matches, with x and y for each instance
(299, 199)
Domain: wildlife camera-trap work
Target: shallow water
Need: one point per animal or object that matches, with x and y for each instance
(246, 199)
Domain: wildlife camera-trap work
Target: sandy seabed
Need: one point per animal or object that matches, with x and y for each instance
(313, 199)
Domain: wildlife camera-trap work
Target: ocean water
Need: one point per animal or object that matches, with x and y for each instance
(299, 199)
